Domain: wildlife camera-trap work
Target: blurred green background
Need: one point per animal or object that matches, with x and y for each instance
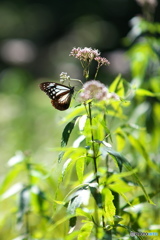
(36, 38)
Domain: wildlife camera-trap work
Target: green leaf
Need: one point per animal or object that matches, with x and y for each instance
(72, 236)
(40, 197)
(82, 122)
(141, 149)
(78, 111)
(122, 161)
(80, 168)
(12, 190)
(140, 199)
(115, 83)
(65, 135)
(79, 197)
(67, 165)
(11, 176)
(147, 93)
(80, 212)
(109, 207)
(118, 176)
(72, 223)
(18, 158)
(96, 194)
(85, 231)
(67, 131)
(59, 222)
(74, 203)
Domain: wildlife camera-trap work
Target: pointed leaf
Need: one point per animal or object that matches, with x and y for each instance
(67, 131)
(72, 224)
(12, 190)
(109, 207)
(144, 92)
(19, 157)
(85, 231)
(122, 161)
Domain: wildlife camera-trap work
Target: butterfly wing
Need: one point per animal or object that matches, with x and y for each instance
(59, 94)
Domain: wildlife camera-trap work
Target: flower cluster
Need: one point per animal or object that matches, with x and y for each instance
(93, 89)
(84, 54)
(88, 54)
(101, 61)
(64, 77)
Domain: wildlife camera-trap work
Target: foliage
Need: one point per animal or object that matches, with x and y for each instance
(108, 185)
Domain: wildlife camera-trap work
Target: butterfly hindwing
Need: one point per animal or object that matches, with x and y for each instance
(59, 94)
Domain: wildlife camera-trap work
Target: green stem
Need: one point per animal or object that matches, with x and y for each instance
(95, 165)
(95, 76)
(93, 146)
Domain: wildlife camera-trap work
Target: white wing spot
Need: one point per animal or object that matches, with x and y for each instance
(52, 84)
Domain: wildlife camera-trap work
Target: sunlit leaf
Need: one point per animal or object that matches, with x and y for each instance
(109, 208)
(19, 157)
(11, 176)
(78, 111)
(143, 151)
(12, 190)
(79, 197)
(80, 168)
(40, 196)
(144, 92)
(82, 122)
(74, 204)
(140, 199)
(113, 86)
(85, 231)
(81, 212)
(78, 141)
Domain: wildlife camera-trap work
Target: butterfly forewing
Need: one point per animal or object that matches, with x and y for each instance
(60, 94)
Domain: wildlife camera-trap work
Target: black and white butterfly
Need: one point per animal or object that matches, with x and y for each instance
(59, 94)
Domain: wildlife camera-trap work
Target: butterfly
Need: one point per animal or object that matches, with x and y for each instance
(59, 94)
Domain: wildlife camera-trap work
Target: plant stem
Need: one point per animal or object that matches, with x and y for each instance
(96, 72)
(95, 165)
(93, 146)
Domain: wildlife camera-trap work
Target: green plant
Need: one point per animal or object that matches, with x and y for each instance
(98, 201)
(99, 184)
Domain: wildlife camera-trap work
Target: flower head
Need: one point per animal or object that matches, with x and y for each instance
(101, 61)
(64, 77)
(84, 54)
(94, 89)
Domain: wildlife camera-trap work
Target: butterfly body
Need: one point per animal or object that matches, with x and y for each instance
(59, 94)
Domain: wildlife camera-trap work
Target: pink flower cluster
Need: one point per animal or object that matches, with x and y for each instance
(102, 61)
(88, 54)
(94, 89)
(84, 54)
